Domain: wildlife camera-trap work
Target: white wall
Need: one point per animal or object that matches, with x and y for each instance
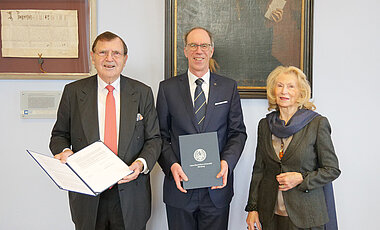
(346, 49)
(346, 56)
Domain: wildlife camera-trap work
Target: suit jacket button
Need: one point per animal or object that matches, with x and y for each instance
(306, 190)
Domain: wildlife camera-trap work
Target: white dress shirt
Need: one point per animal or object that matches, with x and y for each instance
(205, 86)
(102, 96)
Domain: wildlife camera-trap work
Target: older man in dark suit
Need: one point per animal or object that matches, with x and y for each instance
(198, 102)
(119, 111)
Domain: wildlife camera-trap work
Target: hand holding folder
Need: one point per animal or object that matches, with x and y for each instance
(89, 171)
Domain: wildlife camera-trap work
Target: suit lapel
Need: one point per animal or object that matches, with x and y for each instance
(88, 108)
(128, 114)
(186, 97)
(212, 98)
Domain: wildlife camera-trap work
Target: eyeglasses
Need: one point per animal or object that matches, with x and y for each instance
(114, 54)
(204, 46)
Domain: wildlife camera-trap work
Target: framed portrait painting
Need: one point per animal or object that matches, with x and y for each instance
(251, 38)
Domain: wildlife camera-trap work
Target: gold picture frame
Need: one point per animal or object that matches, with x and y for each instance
(248, 45)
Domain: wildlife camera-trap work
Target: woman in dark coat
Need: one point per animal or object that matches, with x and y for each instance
(295, 159)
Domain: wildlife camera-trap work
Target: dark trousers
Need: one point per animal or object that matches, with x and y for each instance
(110, 216)
(284, 223)
(199, 214)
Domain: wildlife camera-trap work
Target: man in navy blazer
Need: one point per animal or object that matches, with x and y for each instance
(203, 208)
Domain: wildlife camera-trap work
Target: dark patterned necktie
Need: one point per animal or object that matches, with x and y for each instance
(199, 102)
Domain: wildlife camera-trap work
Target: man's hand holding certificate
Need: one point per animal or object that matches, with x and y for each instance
(89, 171)
(200, 161)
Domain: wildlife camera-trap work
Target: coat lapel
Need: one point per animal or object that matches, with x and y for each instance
(88, 107)
(187, 101)
(128, 113)
(212, 99)
(293, 145)
(269, 144)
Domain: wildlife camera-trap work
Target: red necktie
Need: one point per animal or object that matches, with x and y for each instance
(110, 132)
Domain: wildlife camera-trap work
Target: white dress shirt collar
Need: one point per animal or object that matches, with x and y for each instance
(102, 84)
(193, 78)
(205, 86)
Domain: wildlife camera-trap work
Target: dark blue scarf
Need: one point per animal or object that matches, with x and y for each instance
(299, 120)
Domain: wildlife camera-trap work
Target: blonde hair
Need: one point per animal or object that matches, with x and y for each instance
(213, 65)
(302, 83)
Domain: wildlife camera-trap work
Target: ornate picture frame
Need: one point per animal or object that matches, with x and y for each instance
(250, 38)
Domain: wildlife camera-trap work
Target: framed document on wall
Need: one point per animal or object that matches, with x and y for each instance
(46, 39)
(252, 38)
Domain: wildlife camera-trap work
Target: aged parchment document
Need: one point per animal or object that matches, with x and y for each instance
(27, 33)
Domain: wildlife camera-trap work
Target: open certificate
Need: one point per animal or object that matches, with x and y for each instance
(89, 171)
